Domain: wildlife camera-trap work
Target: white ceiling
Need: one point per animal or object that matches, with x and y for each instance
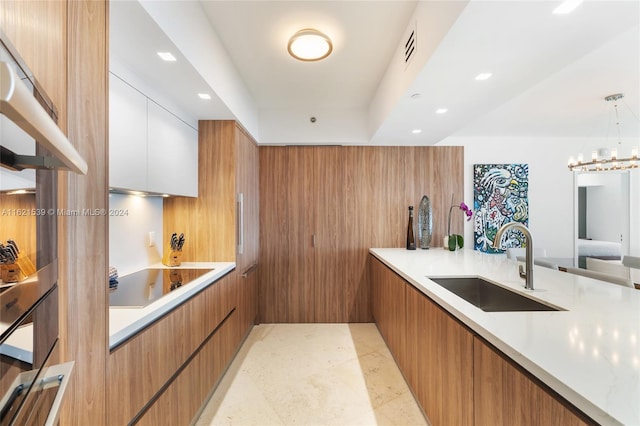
(550, 72)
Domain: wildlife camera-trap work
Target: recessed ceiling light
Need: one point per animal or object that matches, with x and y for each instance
(566, 6)
(167, 56)
(483, 76)
(416, 131)
(309, 45)
(204, 96)
(441, 110)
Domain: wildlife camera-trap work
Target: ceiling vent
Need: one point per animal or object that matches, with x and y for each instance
(410, 45)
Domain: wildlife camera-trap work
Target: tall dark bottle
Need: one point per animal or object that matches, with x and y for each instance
(411, 239)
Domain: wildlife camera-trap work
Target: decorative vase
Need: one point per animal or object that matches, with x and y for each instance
(445, 242)
(425, 223)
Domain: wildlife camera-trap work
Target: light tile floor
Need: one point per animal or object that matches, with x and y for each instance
(313, 374)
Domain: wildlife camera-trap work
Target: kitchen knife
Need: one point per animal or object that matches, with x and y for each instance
(14, 245)
(180, 242)
(12, 249)
(8, 256)
(174, 241)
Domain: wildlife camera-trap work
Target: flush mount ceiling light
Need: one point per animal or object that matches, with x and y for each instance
(309, 45)
(204, 96)
(441, 110)
(605, 160)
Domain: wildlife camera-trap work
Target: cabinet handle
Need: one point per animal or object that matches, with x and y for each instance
(240, 219)
(313, 241)
(252, 268)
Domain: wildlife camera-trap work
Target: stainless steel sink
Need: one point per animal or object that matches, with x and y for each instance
(491, 297)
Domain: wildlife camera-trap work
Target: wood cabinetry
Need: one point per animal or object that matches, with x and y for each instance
(247, 201)
(321, 208)
(433, 351)
(437, 359)
(504, 394)
(456, 377)
(286, 279)
(180, 358)
(151, 149)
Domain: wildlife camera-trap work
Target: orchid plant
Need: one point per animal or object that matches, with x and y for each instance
(455, 241)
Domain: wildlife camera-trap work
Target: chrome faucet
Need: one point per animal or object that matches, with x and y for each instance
(528, 273)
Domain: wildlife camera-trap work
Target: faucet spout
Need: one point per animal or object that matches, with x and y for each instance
(528, 275)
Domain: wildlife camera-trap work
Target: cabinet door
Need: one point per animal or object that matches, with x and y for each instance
(247, 184)
(172, 153)
(439, 361)
(433, 351)
(286, 234)
(127, 136)
(506, 396)
(330, 237)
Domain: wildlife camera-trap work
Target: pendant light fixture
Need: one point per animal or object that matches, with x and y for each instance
(605, 160)
(309, 45)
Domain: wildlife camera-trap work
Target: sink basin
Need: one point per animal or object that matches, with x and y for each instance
(490, 297)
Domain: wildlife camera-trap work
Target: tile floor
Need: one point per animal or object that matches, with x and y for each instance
(313, 374)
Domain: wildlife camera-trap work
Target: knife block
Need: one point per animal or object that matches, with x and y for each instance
(171, 257)
(18, 271)
(11, 273)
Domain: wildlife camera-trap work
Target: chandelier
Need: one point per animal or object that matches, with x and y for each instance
(604, 160)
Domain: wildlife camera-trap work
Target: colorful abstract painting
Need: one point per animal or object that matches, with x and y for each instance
(499, 196)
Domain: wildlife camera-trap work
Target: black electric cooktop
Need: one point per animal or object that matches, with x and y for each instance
(141, 288)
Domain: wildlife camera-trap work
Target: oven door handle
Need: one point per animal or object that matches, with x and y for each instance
(59, 375)
(51, 376)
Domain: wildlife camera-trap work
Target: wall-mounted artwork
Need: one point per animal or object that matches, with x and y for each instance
(499, 196)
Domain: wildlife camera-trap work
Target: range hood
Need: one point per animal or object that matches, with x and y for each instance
(25, 107)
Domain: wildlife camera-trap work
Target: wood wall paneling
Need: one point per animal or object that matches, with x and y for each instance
(83, 243)
(64, 44)
(351, 199)
(209, 221)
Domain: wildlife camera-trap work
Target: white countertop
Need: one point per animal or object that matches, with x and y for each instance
(124, 322)
(589, 354)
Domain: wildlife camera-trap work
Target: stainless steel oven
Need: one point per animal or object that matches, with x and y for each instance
(33, 150)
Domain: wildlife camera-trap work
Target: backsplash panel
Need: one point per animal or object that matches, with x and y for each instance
(131, 219)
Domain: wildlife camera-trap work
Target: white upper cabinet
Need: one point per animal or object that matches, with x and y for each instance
(127, 136)
(173, 153)
(150, 149)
